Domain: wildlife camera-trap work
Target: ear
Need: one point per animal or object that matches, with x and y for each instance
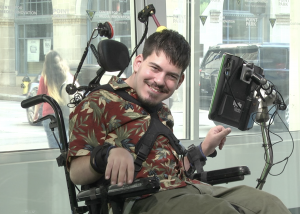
(180, 80)
(137, 62)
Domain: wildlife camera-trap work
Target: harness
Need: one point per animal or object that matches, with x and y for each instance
(156, 128)
(143, 148)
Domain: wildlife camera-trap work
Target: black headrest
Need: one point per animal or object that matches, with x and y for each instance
(113, 55)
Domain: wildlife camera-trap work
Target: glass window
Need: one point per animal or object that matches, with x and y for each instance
(262, 32)
(29, 8)
(34, 31)
(36, 35)
(117, 13)
(259, 32)
(236, 5)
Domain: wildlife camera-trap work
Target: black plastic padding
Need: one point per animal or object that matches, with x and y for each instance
(32, 101)
(113, 55)
(223, 175)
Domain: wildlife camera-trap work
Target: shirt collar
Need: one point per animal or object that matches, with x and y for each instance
(118, 83)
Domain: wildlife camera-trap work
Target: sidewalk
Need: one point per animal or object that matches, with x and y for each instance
(13, 93)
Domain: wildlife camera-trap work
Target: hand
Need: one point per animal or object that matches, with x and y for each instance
(120, 166)
(215, 137)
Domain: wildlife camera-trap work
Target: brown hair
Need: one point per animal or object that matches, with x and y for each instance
(55, 71)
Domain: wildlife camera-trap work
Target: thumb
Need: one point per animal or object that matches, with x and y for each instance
(224, 133)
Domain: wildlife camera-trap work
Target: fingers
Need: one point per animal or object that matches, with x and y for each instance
(120, 169)
(221, 145)
(108, 168)
(222, 134)
(122, 173)
(130, 173)
(115, 170)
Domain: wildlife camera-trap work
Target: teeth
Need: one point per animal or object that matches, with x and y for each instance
(154, 89)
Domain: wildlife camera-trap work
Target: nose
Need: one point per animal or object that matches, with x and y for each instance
(160, 79)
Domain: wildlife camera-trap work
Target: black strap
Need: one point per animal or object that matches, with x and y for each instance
(147, 141)
(122, 93)
(196, 158)
(156, 128)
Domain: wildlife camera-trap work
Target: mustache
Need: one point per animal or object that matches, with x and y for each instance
(161, 88)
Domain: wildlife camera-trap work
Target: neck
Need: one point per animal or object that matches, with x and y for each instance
(130, 80)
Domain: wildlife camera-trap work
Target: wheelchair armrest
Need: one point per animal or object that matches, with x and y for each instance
(138, 187)
(223, 175)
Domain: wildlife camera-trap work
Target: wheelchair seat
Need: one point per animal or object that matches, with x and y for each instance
(151, 185)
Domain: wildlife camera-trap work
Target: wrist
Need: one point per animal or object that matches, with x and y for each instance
(98, 160)
(204, 148)
(208, 152)
(108, 151)
(201, 150)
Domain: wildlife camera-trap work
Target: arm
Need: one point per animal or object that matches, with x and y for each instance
(119, 168)
(81, 166)
(216, 137)
(41, 90)
(36, 112)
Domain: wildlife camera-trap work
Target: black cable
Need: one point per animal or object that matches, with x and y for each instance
(56, 139)
(141, 40)
(226, 83)
(138, 45)
(77, 188)
(270, 146)
(77, 98)
(293, 147)
(96, 54)
(279, 104)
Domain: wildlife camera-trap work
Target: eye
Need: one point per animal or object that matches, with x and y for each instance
(154, 68)
(173, 77)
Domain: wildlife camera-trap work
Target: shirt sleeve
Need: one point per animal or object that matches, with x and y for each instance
(87, 127)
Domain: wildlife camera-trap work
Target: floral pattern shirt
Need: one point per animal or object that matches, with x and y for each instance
(104, 116)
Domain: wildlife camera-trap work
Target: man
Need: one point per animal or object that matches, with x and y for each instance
(105, 129)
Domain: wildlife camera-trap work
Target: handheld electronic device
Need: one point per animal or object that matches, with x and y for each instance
(233, 100)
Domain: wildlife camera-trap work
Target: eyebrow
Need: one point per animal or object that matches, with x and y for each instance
(153, 63)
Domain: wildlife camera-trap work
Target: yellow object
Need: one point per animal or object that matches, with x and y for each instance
(25, 83)
(160, 28)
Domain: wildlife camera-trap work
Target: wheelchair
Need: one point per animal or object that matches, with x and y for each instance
(101, 195)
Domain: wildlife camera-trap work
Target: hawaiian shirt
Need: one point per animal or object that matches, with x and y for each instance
(104, 116)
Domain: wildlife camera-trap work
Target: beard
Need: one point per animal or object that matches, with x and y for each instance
(148, 102)
(153, 99)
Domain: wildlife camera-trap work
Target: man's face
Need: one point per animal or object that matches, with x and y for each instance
(155, 78)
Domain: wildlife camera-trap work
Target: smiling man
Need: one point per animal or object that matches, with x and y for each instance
(156, 75)
(105, 129)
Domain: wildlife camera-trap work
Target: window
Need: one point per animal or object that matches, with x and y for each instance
(262, 32)
(117, 13)
(33, 33)
(34, 7)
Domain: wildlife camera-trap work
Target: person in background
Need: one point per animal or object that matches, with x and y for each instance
(55, 74)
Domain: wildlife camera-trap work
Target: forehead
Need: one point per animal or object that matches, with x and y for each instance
(160, 59)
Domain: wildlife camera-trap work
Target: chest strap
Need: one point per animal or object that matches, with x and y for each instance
(156, 128)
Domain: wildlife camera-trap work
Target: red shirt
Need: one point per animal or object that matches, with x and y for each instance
(47, 109)
(103, 116)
